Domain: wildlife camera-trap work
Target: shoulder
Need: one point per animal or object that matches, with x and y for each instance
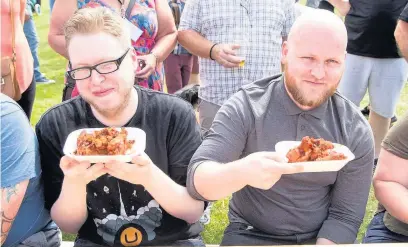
(396, 140)
(9, 106)
(259, 93)
(262, 84)
(19, 147)
(400, 127)
(252, 100)
(156, 101)
(58, 114)
(13, 119)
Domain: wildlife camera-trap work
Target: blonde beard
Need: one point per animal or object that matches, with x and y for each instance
(301, 98)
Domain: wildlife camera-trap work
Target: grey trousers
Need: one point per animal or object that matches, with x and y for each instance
(238, 234)
(47, 238)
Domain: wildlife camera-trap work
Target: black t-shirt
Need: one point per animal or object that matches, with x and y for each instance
(370, 27)
(404, 14)
(117, 209)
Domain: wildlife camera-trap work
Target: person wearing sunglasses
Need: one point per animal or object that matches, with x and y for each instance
(143, 202)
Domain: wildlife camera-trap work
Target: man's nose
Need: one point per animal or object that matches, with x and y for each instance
(318, 71)
(96, 78)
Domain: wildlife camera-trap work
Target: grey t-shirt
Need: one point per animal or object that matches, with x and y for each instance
(329, 204)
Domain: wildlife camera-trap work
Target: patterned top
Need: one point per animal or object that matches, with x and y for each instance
(260, 24)
(178, 50)
(144, 17)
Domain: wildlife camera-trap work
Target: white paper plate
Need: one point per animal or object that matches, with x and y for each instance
(133, 134)
(317, 166)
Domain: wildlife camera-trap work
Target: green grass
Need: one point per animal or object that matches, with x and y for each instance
(49, 95)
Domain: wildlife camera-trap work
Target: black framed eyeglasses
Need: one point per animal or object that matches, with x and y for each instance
(106, 67)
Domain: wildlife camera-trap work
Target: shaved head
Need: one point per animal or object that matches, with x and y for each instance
(317, 20)
(314, 57)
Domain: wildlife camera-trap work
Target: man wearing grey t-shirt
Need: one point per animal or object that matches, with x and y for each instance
(274, 202)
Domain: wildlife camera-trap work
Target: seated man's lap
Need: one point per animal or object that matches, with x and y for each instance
(377, 232)
(239, 234)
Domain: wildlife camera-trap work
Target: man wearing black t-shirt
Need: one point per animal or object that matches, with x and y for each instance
(401, 33)
(144, 202)
(373, 60)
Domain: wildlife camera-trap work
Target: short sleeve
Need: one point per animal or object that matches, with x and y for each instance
(227, 137)
(396, 141)
(19, 147)
(404, 14)
(191, 16)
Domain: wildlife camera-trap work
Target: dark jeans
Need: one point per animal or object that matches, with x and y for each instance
(238, 234)
(27, 99)
(377, 232)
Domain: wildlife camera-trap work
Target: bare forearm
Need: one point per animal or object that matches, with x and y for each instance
(387, 193)
(57, 43)
(195, 43)
(401, 36)
(73, 221)
(190, 210)
(165, 45)
(215, 181)
(343, 6)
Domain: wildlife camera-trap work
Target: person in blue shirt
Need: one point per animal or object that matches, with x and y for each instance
(25, 221)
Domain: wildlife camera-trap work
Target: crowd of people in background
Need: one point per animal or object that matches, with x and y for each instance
(259, 72)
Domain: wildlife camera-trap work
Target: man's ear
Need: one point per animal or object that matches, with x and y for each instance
(134, 56)
(284, 52)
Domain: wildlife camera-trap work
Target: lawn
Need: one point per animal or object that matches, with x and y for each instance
(48, 95)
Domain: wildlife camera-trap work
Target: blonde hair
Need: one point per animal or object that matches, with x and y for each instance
(93, 20)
